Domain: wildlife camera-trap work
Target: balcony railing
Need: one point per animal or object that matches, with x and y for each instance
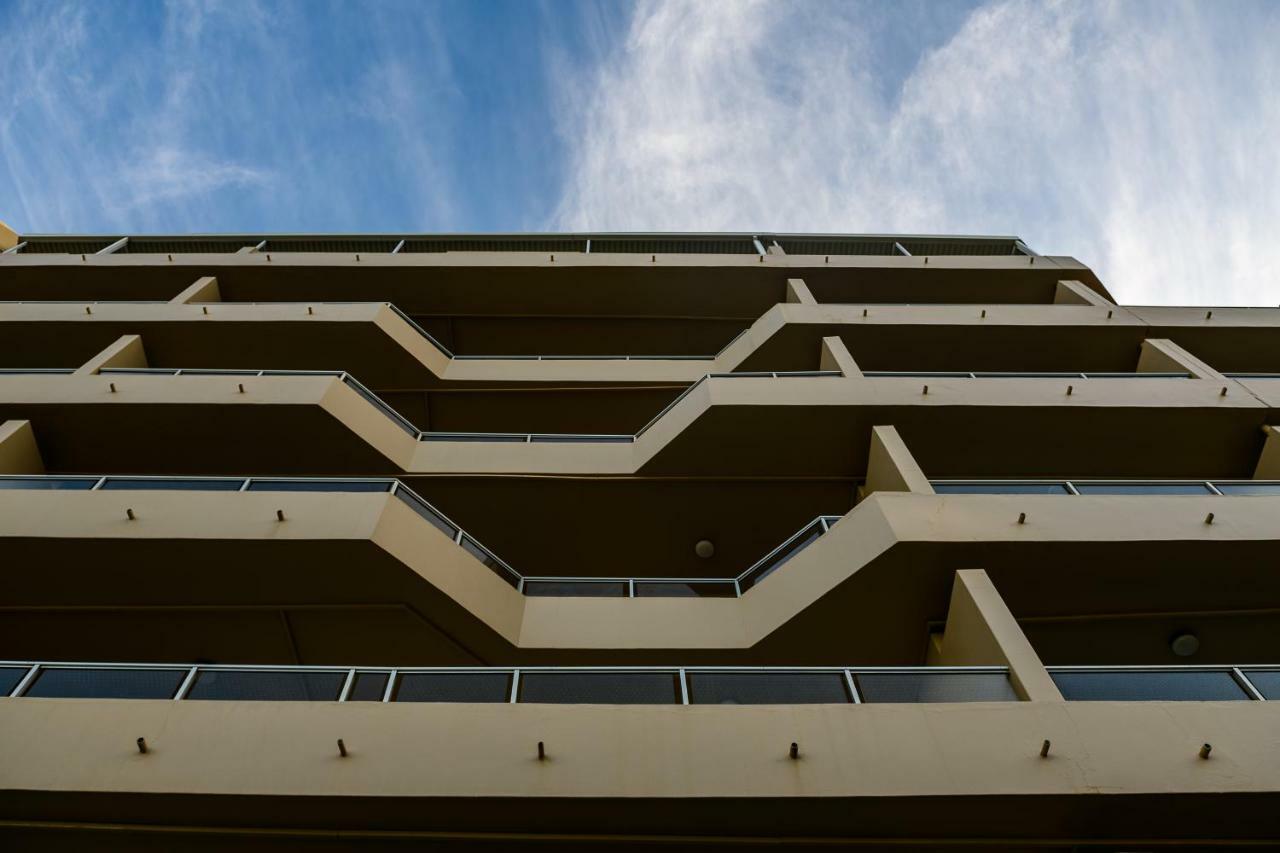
(579, 243)
(700, 685)
(599, 587)
(1167, 683)
(1106, 487)
(424, 435)
(1026, 374)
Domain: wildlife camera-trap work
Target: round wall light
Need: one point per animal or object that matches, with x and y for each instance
(706, 549)
(1184, 644)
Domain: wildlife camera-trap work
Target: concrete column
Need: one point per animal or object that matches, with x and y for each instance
(1269, 460)
(835, 356)
(982, 632)
(125, 352)
(8, 237)
(798, 292)
(19, 453)
(891, 467)
(1079, 293)
(1160, 355)
(204, 290)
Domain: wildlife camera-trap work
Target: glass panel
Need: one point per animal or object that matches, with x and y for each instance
(174, 485)
(1144, 685)
(1266, 681)
(47, 482)
(1000, 488)
(569, 437)
(10, 676)
(767, 688)
(935, 687)
(776, 560)
(368, 687)
(420, 506)
(1248, 488)
(478, 551)
(684, 589)
(603, 688)
(273, 685)
(472, 436)
(1141, 488)
(86, 683)
(319, 486)
(453, 687)
(215, 372)
(576, 589)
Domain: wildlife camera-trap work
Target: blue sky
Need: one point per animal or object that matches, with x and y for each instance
(1141, 137)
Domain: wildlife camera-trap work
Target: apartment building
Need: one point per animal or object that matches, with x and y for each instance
(652, 540)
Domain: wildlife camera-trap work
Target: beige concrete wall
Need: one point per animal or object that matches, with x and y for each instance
(834, 355)
(1269, 459)
(205, 289)
(126, 351)
(891, 467)
(19, 453)
(1163, 355)
(981, 631)
(448, 750)
(8, 237)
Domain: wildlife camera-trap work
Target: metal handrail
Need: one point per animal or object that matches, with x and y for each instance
(1072, 487)
(438, 519)
(186, 675)
(1031, 374)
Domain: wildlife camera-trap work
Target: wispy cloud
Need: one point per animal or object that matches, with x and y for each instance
(1136, 136)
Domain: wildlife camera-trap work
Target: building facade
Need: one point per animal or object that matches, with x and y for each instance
(653, 540)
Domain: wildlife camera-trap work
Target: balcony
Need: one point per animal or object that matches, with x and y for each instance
(528, 685)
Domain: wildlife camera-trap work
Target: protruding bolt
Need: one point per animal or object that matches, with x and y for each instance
(1205, 749)
(653, 259)
(1022, 518)
(142, 745)
(310, 310)
(1044, 749)
(1208, 519)
(1224, 391)
(864, 312)
(926, 390)
(826, 259)
(762, 259)
(357, 258)
(542, 751)
(128, 513)
(1109, 315)
(171, 259)
(1208, 315)
(112, 386)
(795, 751)
(88, 310)
(342, 748)
(279, 515)
(984, 313)
(1070, 388)
(240, 385)
(204, 309)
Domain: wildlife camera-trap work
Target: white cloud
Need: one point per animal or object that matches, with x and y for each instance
(1140, 138)
(169, 172)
